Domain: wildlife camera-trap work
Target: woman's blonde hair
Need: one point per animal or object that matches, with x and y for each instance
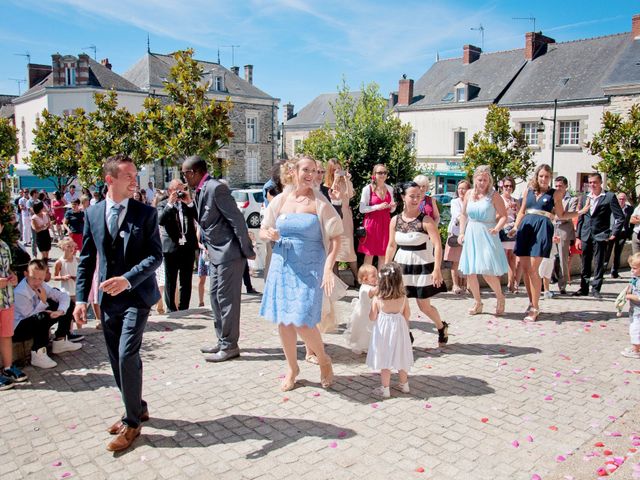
(390, 284)
(332, 165)
(482, 170)
(287, 170)
(535, 186)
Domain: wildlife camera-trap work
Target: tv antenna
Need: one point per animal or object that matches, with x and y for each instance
(25, 54)
(531, 19)
(19, 81)
(481, 30)
(95, 51)
(233, 53)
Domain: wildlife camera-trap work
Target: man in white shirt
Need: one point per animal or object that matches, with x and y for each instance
(34, 315)
(151, 192)
(71, 195)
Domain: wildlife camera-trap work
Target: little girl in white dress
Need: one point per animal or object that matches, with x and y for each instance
(359, 331)
(390, 347)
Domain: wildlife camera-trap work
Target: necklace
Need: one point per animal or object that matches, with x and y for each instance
(303, 200)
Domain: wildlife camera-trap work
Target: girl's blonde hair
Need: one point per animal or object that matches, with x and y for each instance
(66, 241)
(390, 284)
(365, 270)
(634, 259)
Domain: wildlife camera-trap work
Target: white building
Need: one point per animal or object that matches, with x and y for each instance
(568, 85)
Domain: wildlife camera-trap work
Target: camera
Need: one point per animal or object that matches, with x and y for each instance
(181, 194)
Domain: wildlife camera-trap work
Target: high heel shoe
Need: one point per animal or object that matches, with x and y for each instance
(500, 306)
(476, 309)
(289, 382)
(532, 316)
(326, 374)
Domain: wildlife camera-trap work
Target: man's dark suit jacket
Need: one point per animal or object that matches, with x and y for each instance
(168, 218)
(142, 254)
(224, 229)
(599, 224)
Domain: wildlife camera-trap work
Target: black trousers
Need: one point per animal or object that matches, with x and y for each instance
(38, 326)
(616, 247)
(178, 264)
(246, 277)
(595, 251)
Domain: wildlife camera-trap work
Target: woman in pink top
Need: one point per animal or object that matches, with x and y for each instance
(58, 209)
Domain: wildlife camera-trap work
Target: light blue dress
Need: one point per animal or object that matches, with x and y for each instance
(292, 293)
(482, 253)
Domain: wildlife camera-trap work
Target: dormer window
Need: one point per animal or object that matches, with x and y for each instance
(461, 94)
(70, 76)
(218, 84)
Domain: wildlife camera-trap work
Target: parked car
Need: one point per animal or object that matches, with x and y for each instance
(249, 201)
(444, 198)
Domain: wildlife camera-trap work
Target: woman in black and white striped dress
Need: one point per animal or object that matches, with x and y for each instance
(414, 243)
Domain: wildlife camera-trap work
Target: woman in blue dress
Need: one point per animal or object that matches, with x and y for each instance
(483, 216)
(533, 230)
(306, 230)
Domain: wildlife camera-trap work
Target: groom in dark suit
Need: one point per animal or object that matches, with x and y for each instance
(177, 219)
(123, 234)
(595, 230)
(224, 233)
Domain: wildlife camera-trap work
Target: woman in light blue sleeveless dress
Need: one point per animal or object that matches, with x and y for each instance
(483, 216)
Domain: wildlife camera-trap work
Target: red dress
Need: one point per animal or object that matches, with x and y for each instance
(376, 224)
(58, 211)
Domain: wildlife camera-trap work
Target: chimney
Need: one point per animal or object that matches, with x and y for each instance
(105, 62)
(236, 71)
(536, 45)
(248, 73)
(58, 69)
(393, 99)
(36, 73)
(635, 27)
(82, 70)
(470, 53)
(405, 91)
(288, 111)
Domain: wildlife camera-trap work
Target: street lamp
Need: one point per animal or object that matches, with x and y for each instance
(540, 128)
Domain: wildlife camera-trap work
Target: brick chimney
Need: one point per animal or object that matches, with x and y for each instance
(393, 99)
(36, 73)
(635, 27)
(236, 71)
(248, 73)
(470, 53)
(536, 45)
(105, 62)
(58, 69)
(82, 70)
(288, 111)
(405, 91)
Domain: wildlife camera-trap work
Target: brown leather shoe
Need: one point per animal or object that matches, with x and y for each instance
(115, 428)
(125, 438)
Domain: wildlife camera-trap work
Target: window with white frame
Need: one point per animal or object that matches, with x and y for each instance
(70, 76)
(530, 131)
(412, 140)
(218, 84)
(569, 133)
(461, 94)
(459, 138)
(252, 129)
(251, 173)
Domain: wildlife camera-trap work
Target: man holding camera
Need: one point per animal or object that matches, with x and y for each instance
(176, 217)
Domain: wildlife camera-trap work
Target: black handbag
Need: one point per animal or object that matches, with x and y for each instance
(361, 232)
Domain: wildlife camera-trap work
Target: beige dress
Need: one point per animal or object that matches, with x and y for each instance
(346, 250)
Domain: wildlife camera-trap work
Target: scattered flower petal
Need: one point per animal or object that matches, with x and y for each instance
(420, 470)
(342, 434)
(484, 420)
(529, 439)
(333, 444)
(595, 395)
(554, 428)
(57, 463)
(427, 405)
(548, 398)
(515, 443)
(560, 458)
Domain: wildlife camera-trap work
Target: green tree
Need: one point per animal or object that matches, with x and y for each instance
(8, 145)
(503, 149)
(190, 123)
(618, 146)
(365, 134)
(58, 142)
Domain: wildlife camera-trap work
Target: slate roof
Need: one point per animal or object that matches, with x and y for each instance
(492, 72)
(569, 71)
(627, 68)
(317, 112)
(99, 76)
(152, 70)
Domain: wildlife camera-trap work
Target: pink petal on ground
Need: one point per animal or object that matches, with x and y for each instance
(285, 399)
(535, 476)
(342, 435)
(35, 419)
(168, 329)
(333, 444)
(554, 428)
(427, 405)
(595, 395)
(420, 470)
(315, 394)
(484, 420)
(613, 434)
(529, 439)
(515, 443)
(612, 418)
(73, 426)
(548, 398)
(196, 366)
(557, 374)
(374, 405)
(602, 472)
(560, 458)
(66, 475)
(57, 463)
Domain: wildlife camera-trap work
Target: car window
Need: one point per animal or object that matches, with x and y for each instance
(239, 196)
(258, 197)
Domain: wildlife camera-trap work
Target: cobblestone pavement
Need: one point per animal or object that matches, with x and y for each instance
(505, 400)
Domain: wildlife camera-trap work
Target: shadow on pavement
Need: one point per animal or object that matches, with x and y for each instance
(277, 432)
(497, 350)
(168, 326)
(68, 381)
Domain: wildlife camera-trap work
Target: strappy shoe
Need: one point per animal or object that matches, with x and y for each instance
(476, 309)
(311, 358)
(289, 382)
(326, 374)
(443, 334)
(532, 316)
(457, 290)
(500, 306)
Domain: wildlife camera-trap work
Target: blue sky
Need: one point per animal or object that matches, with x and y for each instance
(299, 48)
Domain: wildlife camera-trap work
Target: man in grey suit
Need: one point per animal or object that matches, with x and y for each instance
(566, 231)
(224, 233)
